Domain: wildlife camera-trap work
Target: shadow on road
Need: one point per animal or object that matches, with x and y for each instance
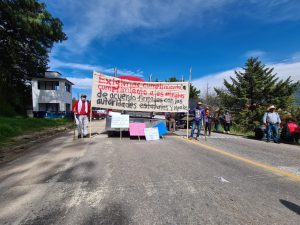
(291, 206)
(112, 214)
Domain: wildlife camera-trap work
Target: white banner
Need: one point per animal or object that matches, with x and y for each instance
(114, 93)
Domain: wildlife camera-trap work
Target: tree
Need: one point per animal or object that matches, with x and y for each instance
(27, 34)
(251, 91)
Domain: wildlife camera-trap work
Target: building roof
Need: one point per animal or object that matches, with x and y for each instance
(51, 79)
(52, 75)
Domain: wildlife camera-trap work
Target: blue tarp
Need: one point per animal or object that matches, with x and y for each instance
(162, 129)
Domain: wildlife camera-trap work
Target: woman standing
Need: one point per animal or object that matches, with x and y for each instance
(227, 122)
(208, 121)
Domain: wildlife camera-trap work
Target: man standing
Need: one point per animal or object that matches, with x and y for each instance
(199, 115)
(272, 121)
(81, 110)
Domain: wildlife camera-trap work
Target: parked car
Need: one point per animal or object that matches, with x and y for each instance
(98, 114)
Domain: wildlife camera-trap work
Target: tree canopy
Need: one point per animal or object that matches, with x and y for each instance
(253, 89)
(27, 34)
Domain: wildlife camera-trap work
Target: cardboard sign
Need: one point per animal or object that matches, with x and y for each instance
(119, 121)
(137, 129)
(114, 93)
(162, 129)
(151, 134)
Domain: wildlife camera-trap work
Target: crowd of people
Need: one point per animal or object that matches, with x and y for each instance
(204, 116)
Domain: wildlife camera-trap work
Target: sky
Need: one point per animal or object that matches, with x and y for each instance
(166, 38)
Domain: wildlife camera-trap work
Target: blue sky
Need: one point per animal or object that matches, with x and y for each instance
(166, 38)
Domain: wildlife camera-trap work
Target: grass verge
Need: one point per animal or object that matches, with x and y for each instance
(15, 126)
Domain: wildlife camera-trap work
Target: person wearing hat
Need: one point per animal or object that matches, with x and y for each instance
(272, 121)
(81, 110)
(199, 115)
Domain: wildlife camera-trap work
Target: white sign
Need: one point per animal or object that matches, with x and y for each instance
(151, 134)
(114, 93)
(119, 121)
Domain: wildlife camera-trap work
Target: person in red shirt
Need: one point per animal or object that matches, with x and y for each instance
(81, 110)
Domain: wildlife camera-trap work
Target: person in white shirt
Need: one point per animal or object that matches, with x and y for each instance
(272, 121)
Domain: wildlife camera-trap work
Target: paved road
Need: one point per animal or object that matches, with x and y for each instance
(171, 181)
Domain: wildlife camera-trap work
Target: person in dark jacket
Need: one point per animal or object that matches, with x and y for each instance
(208, 121)
(199, 115)
(217, 120)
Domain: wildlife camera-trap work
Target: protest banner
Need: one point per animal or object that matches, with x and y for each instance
(114, 93)
(151, 134)
(119, 121)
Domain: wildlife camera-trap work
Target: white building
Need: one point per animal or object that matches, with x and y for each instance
(51, 93)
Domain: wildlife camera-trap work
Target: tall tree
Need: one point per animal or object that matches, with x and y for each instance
(251, 91)
(27, 34)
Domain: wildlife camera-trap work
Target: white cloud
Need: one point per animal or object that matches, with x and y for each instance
(283, 70)
(104, 20)
(81, 83)
(56, 64)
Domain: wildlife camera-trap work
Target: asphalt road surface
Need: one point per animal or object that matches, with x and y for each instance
(224, 180)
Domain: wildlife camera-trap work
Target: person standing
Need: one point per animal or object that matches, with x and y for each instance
(217, 120)
(172, 122)
(208, 121)
(227, 122)
(199, 115)
(271, 120)
(81, 110)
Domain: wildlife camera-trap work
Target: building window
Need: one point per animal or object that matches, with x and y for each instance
(48, 85)
(49, 107)
(68, 107)
(68, 87)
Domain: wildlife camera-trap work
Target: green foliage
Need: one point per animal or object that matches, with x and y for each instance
(13, 126)
(249, 93)
(27, 34)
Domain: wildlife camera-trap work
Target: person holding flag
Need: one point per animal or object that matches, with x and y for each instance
(81, 110)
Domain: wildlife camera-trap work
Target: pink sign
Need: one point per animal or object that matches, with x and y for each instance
(137, 129)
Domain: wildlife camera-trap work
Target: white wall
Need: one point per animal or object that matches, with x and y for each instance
(51, 96)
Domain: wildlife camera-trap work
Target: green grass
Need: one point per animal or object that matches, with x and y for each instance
(234, 130)
(13, 126)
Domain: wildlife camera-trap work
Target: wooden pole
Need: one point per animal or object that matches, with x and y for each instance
(120, 134)
(91, 109)
(188, 110)
(203, 125)
(74, 126)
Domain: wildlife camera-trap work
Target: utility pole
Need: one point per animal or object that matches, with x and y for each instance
(115, 71)
(207, 91)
